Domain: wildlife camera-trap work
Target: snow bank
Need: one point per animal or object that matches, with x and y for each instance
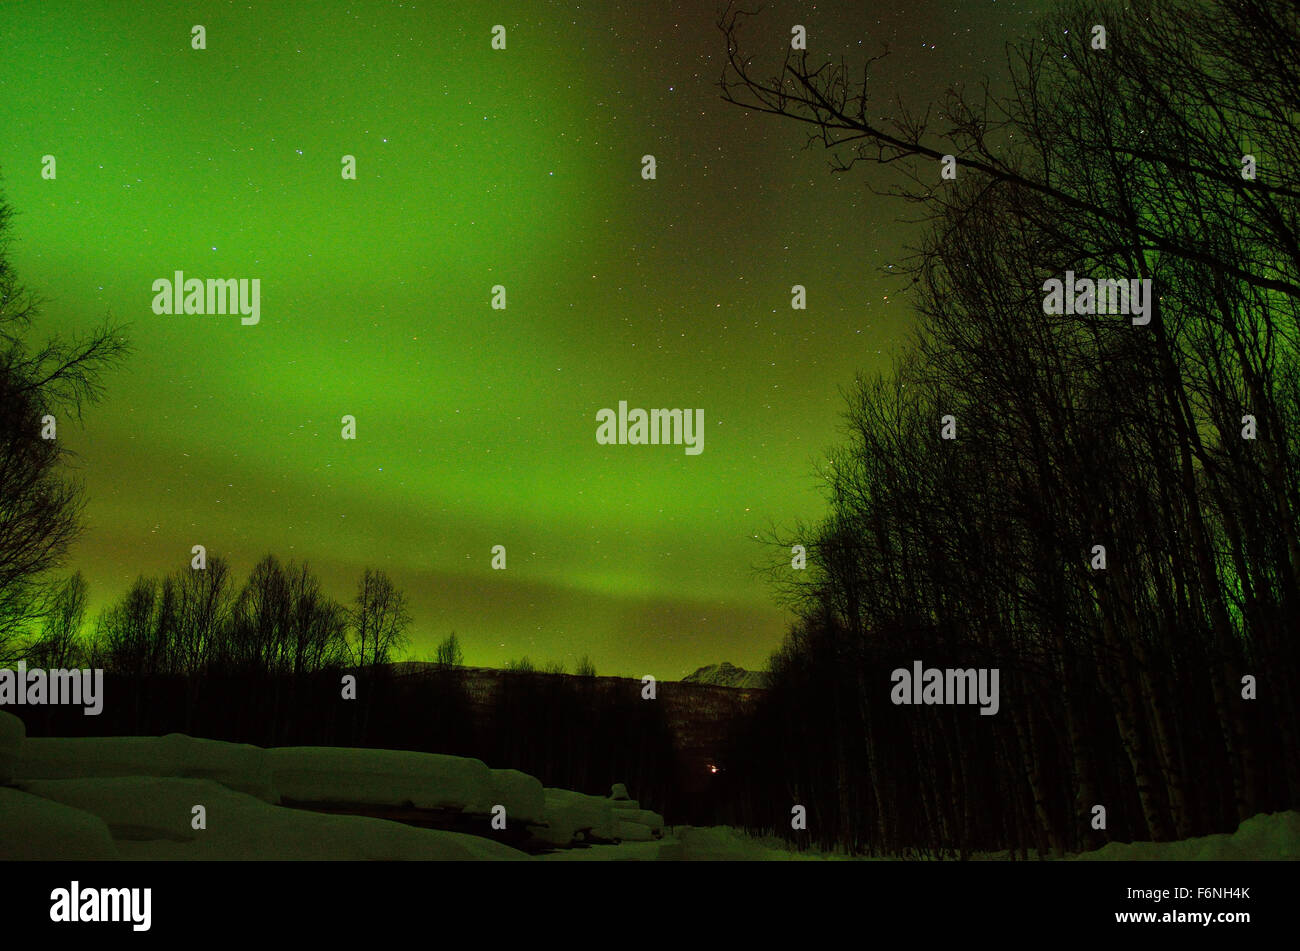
(153, 819)
(383, 777)
(12, 733)
(639, 825)
(305, 774)
(521, 794)
(36, 829)
(237, 765)
(1263, 837)
(634, 832)
(634, 823)
(398, 777)
(574, 817)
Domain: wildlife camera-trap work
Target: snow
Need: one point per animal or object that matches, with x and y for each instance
(322, 774)
(639, 825)
(1264, 837)
(521, 794)
(36, 829)
(634, 832)
(304, 774)
(1267, 836)
(728, 675)
(694, 844)
(133, 798)
(237, 765)
(575, 817)
(152, 818)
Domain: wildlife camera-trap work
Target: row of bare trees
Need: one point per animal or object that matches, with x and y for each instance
(177, 646)
(1116, 525)
(194, 622)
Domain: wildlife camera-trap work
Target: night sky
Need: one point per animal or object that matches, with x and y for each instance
(475, 167)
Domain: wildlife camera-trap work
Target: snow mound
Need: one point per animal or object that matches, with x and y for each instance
(635, 832)
(323, 774)
(241, 767)
(641, 817)
(12, 734)
(152, 818)
(384, 777)
(36, 829)
(1267, 836)
(574, 817)
(639, 825)
(521, 794)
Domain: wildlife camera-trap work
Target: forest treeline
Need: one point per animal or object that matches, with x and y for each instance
(1115, 524)
(194, 621)
(278, 662)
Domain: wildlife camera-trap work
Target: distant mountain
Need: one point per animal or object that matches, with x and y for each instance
(728, 675)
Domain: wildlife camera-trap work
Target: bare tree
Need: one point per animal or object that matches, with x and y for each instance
(126, 630)
(260, 620)
(449, 653)
(205, 602)
(1236, 65)
(1077, 432)
(59, 644)
(40, 507)
(379, 619)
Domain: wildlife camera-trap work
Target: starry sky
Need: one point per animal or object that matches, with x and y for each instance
(475, 167)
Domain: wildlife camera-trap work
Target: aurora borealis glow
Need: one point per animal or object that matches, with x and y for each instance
(475, 427)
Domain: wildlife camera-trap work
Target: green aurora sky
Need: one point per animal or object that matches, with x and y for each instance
(476, 427)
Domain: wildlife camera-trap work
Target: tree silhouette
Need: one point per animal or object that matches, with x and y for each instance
(379, 619)
(59, 645)
(40, 506)
(1172, 447)
(449, 653)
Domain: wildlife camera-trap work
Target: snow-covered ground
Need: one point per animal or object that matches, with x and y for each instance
(695, 844)
(176, 797)
(1267, 836)
(154, 818)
